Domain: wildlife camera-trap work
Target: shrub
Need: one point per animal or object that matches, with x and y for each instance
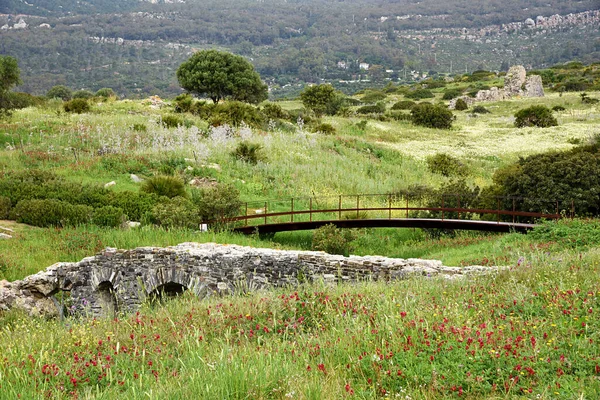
(480, 110)
(432, 116)
(419, 94)
(178, 212)
(218, 201)
(50, 212)
(372, 109)
(461, 105)
(135, 205)
(373, 96)
(106, 92)
(77, 106)
(403, 105)
(450, 94)
(539, 116)
(586, 99)
(161, 185)
(184, 103)
(324, 128)
(139, 127)
(273, 111)
(172, 121)
(333, 240)
(60, 92)
(236, 113)
(4, 207)
(558, 108)
(108, 216)
(83, 94)
(399, 116)
(248, 152)
(446, 165)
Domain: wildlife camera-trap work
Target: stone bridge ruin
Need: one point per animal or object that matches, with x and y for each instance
(122, 280)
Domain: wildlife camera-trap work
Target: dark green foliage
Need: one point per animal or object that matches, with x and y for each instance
(250, 153)
(399, 116)
(139, 127)
(218, 201)
(172, 165)
(60, 92)
(480, 110)
(178, 212)
(450, 94)
(373, 96)
(539, 116)
(9, 73)
(432, 116)
(235, 113)
(371, 109)
(575, 234)
(108, 216)
(431, 84)
(83, 94)
(446, 165)
(161, 185)
(4, 207)
(461, 105)
(106, 92)
(77, 106)
(300, 113)
(321, 99)
(184, 103)
(419, 94)
(403, 105)
(220, 75)
(172, 121)
(273, 111)
(16, 100)
(586, 99)
(324, 128)
(50, 212)
(135, 205)
(556, 176)
(558, 108)
(333, 240)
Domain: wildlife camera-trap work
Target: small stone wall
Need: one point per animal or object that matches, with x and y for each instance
(121, 280)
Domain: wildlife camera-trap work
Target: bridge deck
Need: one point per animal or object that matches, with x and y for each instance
(489, 226)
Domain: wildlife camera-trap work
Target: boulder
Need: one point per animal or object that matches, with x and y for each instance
(514, 80)
(136, 178)
(534, 86)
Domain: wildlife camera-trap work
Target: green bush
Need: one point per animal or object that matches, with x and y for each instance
(586, 99)
(450, 94)
(83, 94)
(461, 105)
(333, 240)
(432, 116)
(250, 153)
(162, 185)
(77, 106)
(106, 92)
(218, 201)
(373, 96)
(273, 111)
(178, 212)
(50, 212)
(4, 207)
(419, 94)
(61, 92)
(135, 205)
(558, 108)
(371, 109)
(184, 103)
(446, 165)
(480, 110)
(108, 216)
(236, 113)
(399, 116)
(139, 127)
(324, 128)
(539, 116)
(173, 121)
(403, 105)
(575, 234)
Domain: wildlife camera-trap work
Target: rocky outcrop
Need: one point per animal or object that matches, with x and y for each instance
(122, 280)
(514, 80)
(534, 86)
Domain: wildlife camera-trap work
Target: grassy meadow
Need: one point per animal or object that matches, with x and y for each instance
(528, 332)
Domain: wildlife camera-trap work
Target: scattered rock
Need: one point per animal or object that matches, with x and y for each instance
(136, 178)
(133, 224)
(109, 184)
(203, 182)
(467, 99)
(212, 166)
(4, 236)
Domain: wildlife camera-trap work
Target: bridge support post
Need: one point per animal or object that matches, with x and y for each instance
(442, 207)
(340, 207)
(246, 213)
(390, 206)
(292, 212)
(357, 206)
(310, 209)
(265, 213)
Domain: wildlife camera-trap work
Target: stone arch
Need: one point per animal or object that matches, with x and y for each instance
(166, 291)
(106, 299)
(168, 283)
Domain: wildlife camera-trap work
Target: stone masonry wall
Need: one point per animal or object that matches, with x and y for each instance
(121, 280)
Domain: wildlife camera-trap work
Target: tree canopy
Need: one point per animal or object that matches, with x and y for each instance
(9, 73)
(319, 98)
(221, 75)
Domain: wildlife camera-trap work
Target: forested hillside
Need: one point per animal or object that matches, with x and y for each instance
(134, 47)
